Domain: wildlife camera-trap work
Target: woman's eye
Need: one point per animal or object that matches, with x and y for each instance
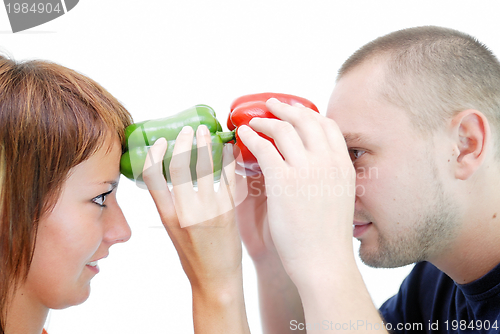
(355, 154)
(99, 200)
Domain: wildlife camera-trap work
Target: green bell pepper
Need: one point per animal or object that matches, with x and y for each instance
(141, 136)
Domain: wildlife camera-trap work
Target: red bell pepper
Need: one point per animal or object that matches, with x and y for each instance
(244, 108)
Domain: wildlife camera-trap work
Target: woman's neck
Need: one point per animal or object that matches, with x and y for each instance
(26, 315)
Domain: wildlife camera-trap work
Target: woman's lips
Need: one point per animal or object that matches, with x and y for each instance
(93, 266)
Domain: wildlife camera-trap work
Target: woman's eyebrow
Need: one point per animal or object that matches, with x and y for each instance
(113, 183)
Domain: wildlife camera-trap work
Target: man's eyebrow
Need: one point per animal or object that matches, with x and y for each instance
(353, 137)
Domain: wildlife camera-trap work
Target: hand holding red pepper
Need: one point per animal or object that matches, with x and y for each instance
(244, 108)
(310, 191)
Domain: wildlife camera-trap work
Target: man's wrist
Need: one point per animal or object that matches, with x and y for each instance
(321, 272)
(268, 260)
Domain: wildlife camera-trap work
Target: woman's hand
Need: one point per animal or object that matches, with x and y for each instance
(200, 223)
(202, 227)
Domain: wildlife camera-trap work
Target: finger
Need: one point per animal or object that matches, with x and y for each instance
(155, 181)
(152, 172)
(264, 151)
(226, 195)
(284, 135)
(242, 171)
(330, 128)
(180, 171)
(217, 204)
(228, 168)
(227, 188)
(249, 187)
(204, 164)
(244, 168)
(335, 137)
(304, 120)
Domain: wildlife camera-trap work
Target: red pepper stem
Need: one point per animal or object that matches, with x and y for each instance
(227, 136)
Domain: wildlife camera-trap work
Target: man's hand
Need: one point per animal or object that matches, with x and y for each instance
(310, 190)
(279, 300)
(251, 216)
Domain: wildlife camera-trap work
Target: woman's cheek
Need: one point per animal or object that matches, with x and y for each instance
(58, 276)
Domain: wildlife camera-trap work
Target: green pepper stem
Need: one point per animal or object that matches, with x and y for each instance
(226, 136)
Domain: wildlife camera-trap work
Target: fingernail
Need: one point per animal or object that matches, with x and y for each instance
(273, 100)
(244, 128)
(160, 141)
(254, 119)
(186, 129)
(202, 130)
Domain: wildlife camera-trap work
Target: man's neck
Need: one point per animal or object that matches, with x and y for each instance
(475, 251)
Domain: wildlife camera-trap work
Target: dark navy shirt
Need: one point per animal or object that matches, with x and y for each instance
(429, 301)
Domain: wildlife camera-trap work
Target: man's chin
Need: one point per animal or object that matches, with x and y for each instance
(377, 259)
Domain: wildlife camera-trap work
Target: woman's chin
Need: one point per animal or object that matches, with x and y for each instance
(76, 298)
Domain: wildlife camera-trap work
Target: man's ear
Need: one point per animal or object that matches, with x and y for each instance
(472, 136)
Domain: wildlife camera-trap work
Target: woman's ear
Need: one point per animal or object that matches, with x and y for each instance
(472, 137)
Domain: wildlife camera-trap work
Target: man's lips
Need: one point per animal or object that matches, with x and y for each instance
(356, 223)
(360, 228)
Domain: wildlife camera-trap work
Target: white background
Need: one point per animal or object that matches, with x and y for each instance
(160, 57)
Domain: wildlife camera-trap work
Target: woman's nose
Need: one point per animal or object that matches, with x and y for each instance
(117, 228)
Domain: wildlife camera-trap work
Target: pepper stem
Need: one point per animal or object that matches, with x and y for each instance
(226, 136)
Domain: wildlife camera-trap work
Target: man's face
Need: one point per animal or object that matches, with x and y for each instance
(403, 211)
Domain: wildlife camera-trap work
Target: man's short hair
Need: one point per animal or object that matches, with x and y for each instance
(434, 73)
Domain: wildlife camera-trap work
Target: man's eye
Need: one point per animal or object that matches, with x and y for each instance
(355, 154)
(99, 200)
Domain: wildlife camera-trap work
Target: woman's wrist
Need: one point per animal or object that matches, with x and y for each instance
(220, 304)
(218, 288)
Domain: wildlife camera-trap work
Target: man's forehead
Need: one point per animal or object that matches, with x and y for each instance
(357, 124)
(369, 124)
(359, 119)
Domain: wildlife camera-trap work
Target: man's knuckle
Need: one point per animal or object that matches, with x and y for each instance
(265, 146)
(308, 116)
(284, 127)
(330, 123)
